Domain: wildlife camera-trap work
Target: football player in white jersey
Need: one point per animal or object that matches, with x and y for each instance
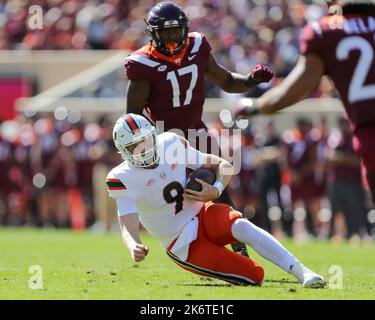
(149, 187)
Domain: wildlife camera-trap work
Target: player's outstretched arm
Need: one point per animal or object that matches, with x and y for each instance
(137, 96)
(233, 82)
(300, 82)
(129, 225)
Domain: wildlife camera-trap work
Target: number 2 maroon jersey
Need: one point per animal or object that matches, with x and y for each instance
(346, 45)
(177, 83)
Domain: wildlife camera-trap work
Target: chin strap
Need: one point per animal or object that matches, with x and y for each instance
(171, 47)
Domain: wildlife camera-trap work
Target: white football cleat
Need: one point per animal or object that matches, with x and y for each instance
(307, 277)
(313, 280)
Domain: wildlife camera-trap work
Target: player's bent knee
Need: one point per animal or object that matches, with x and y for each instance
(218, 221)
(240, 227)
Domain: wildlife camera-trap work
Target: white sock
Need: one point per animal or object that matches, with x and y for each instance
(299, 270)
(265, 244)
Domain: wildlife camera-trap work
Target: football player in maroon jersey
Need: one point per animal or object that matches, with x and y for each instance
(302, 161)
(167, 76)
(342, 47)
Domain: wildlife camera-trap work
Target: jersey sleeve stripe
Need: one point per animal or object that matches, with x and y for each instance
(144, 60)
(113, 180)
(115, 184)
(117, 188)
(197, 42)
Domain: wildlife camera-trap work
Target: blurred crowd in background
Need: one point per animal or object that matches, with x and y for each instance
(50, 169)
(304, 182)
(240, 32)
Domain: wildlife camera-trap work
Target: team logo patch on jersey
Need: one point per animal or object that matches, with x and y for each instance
(171, 23)
(163, 175)
(173, 166)
(162, 68)
(150, 182)
(115, 184)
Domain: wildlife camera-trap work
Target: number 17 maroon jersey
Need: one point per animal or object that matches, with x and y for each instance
(177, 83)
(346, 45)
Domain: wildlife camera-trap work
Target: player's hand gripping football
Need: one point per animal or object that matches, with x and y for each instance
(208, 192)
(139, 252)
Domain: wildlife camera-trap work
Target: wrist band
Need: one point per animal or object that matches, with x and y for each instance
(219, 186)
(250, 82)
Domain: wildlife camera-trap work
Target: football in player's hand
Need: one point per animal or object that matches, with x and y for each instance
(203, 174)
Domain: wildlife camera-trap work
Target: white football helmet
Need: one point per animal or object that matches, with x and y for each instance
(136, 140)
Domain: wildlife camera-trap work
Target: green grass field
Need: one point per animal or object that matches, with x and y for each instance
(84, 265)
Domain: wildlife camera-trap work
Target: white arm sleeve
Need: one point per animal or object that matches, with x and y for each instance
(125, 199)
(126, 205)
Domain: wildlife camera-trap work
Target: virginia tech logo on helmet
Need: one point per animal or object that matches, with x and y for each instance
(166, 15)
(171, 23)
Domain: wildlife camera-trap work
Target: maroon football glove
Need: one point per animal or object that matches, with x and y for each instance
(261, 73)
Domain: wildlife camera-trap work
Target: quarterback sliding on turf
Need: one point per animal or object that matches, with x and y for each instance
(194, 231)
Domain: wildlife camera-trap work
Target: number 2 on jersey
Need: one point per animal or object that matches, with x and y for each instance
(172, 77)
(358, 91)
(177, 195)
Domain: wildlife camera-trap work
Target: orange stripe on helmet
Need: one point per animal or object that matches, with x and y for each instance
(131, 123)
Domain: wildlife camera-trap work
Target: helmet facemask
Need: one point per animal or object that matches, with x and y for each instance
(170, 47)
(142, 153)
(155, 39)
